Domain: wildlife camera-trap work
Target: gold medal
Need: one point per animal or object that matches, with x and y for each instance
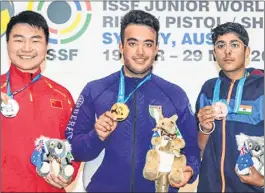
(120, 110)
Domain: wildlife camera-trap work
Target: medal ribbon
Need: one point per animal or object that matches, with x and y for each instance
(11, 95)
(121, 94)
(239, 93)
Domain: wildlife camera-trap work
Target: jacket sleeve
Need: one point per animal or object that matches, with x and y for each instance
(187, 126)
(69, 104)
(202, 99)
(80, 131)
(201, 102)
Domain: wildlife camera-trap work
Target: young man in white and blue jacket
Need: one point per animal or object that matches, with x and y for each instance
(240, 130)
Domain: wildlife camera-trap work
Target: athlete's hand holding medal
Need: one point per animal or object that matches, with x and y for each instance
(107, 122)
(219, 109)
(208, 114)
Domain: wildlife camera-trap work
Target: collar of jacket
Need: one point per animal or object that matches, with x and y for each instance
(22, 77)
(135, 79)
(223, 77)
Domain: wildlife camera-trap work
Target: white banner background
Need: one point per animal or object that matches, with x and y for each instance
(183, 39)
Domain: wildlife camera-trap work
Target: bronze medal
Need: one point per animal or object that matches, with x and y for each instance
(120, 110)
(221, 110)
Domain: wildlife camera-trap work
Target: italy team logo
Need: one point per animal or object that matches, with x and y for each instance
(68, 20)
(7, 11)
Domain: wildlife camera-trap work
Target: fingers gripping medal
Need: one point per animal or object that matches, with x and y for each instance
(10, 109)
(120, 110)
(221, 110)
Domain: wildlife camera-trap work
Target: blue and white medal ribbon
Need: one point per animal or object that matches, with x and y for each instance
(11, 109)
(220, 105)
(120, 109)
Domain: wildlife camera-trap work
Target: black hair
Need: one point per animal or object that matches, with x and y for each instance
(139, 17)
(32, 18)
(230, 27)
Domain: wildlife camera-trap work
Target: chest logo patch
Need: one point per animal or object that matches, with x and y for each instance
(56, 103)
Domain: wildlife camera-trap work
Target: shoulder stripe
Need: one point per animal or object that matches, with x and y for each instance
(4, 85)
(63, 94)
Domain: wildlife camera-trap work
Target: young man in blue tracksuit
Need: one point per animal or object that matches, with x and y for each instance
(222, 138)
(93, 127)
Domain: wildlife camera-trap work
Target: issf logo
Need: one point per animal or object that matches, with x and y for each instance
(7, 11)
(67, 20)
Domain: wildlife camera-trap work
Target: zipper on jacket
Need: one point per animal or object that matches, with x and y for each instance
(224, 138)
(133, 142)
(30, 95)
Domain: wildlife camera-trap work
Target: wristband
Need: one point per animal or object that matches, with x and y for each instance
(209, 132)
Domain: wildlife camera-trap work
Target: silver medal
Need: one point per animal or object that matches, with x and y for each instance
(10, 109)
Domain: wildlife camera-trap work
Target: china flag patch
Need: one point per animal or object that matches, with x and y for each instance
(56, 103)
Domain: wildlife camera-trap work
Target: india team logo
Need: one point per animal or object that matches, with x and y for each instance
(68, 20)
(7, 11)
